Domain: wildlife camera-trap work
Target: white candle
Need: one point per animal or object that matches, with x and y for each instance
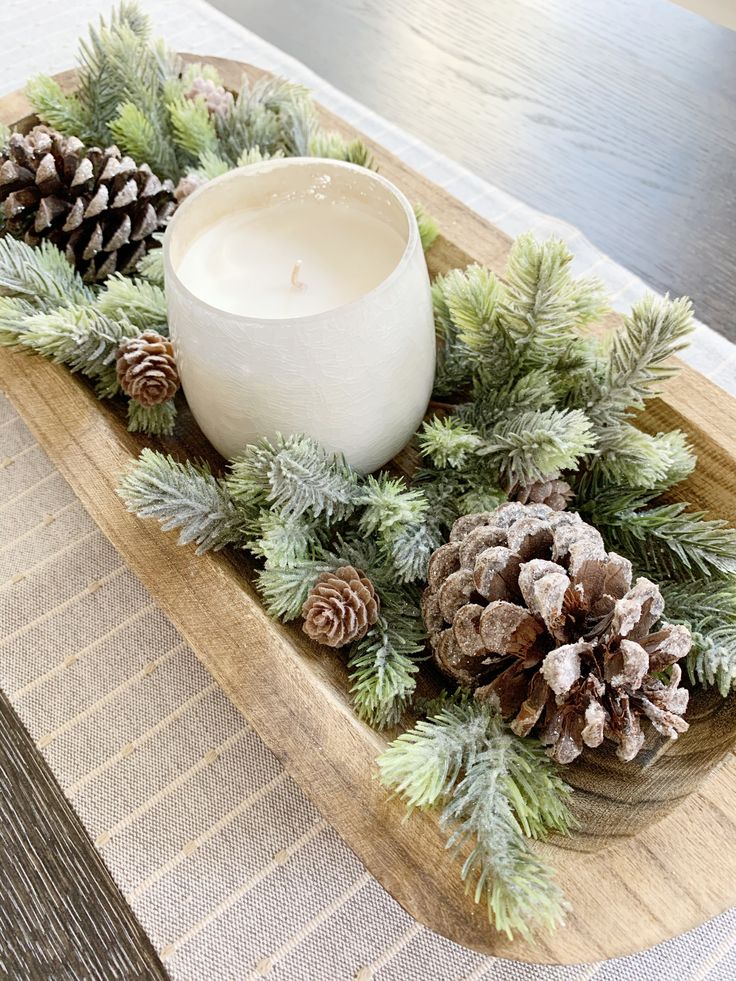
(289, 260)
(299, 301)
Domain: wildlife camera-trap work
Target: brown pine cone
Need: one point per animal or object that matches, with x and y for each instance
(340, 608)
(146, 369)
(525, 605)
(218, 100)
(555, 493)
(96, 205)
(186, 186)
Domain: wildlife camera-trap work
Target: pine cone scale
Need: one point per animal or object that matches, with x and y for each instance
(549, 623)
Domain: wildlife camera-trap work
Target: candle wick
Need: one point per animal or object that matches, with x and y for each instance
(295, 282)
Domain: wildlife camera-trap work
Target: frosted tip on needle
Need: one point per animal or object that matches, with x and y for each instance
(295, 275)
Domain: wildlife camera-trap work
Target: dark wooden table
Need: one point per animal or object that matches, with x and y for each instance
(616, 115)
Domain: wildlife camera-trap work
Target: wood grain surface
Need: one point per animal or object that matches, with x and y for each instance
(619, 117)
(62, 918)
(295, 695)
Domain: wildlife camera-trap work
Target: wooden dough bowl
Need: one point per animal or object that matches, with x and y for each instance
(648, 882)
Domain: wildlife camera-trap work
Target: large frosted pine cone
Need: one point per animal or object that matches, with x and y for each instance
(146, 369)
(97, 206)
(524, 604)
(341, 607)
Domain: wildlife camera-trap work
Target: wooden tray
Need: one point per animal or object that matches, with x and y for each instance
(635, 893)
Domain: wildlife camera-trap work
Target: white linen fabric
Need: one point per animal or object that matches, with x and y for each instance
(230, 869)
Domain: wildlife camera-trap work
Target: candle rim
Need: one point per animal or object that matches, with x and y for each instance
(275, 163)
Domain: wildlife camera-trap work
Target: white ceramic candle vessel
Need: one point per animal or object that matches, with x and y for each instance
(299, 301)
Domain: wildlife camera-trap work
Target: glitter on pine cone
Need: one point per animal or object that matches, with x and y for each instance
(340, 608)
(525, 605)
(555, 493)
(146, 369)
(97, 206)
(218, 100)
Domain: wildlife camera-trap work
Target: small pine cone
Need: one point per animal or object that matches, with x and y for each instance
(555, 493)
(340, 608)
(146, 369)
(186, 186)
(99, 207)
(525, 606)
(218, 100)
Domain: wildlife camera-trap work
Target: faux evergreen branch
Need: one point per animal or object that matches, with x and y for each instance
(670, 542)
(283, 540)
(429, 230)
(158, 420)
(284, 589)
(271, 114)
(383, 666)
(61, 111)
(326, 143)
(151, 266)
(145, 139)
(448, 442)
(494, 790)
(79, 337)
(194, 130)
(296, 476)
(708, 608)
(542, 302)
(627, 457)
(40, 275)
(387, 503)
(185, 497)
(140, 302)
(533, 446)
(637, 360)
(409, 547)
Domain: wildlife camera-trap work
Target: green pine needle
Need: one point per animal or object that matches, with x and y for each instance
(536, 445)
(284, 589)
(79, 337)
(326, 143)
(429, 229)
(708, 608)
(282, 540)
(194, 130)
(495, 790)
(448, 442)
(670, 542)
(151, 266)
(156, 420)
(136, 133)
(387, 503)
(542, 302)
(627, 457)
(183, 496)
(296, 476)
(383, 667)
(63, 112)
(41, 275)
(638, 356)
(141, 303)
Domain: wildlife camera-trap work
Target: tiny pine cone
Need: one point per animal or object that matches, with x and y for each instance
(340, 608)
(146, 369)
(217, 99)
(555, 493)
